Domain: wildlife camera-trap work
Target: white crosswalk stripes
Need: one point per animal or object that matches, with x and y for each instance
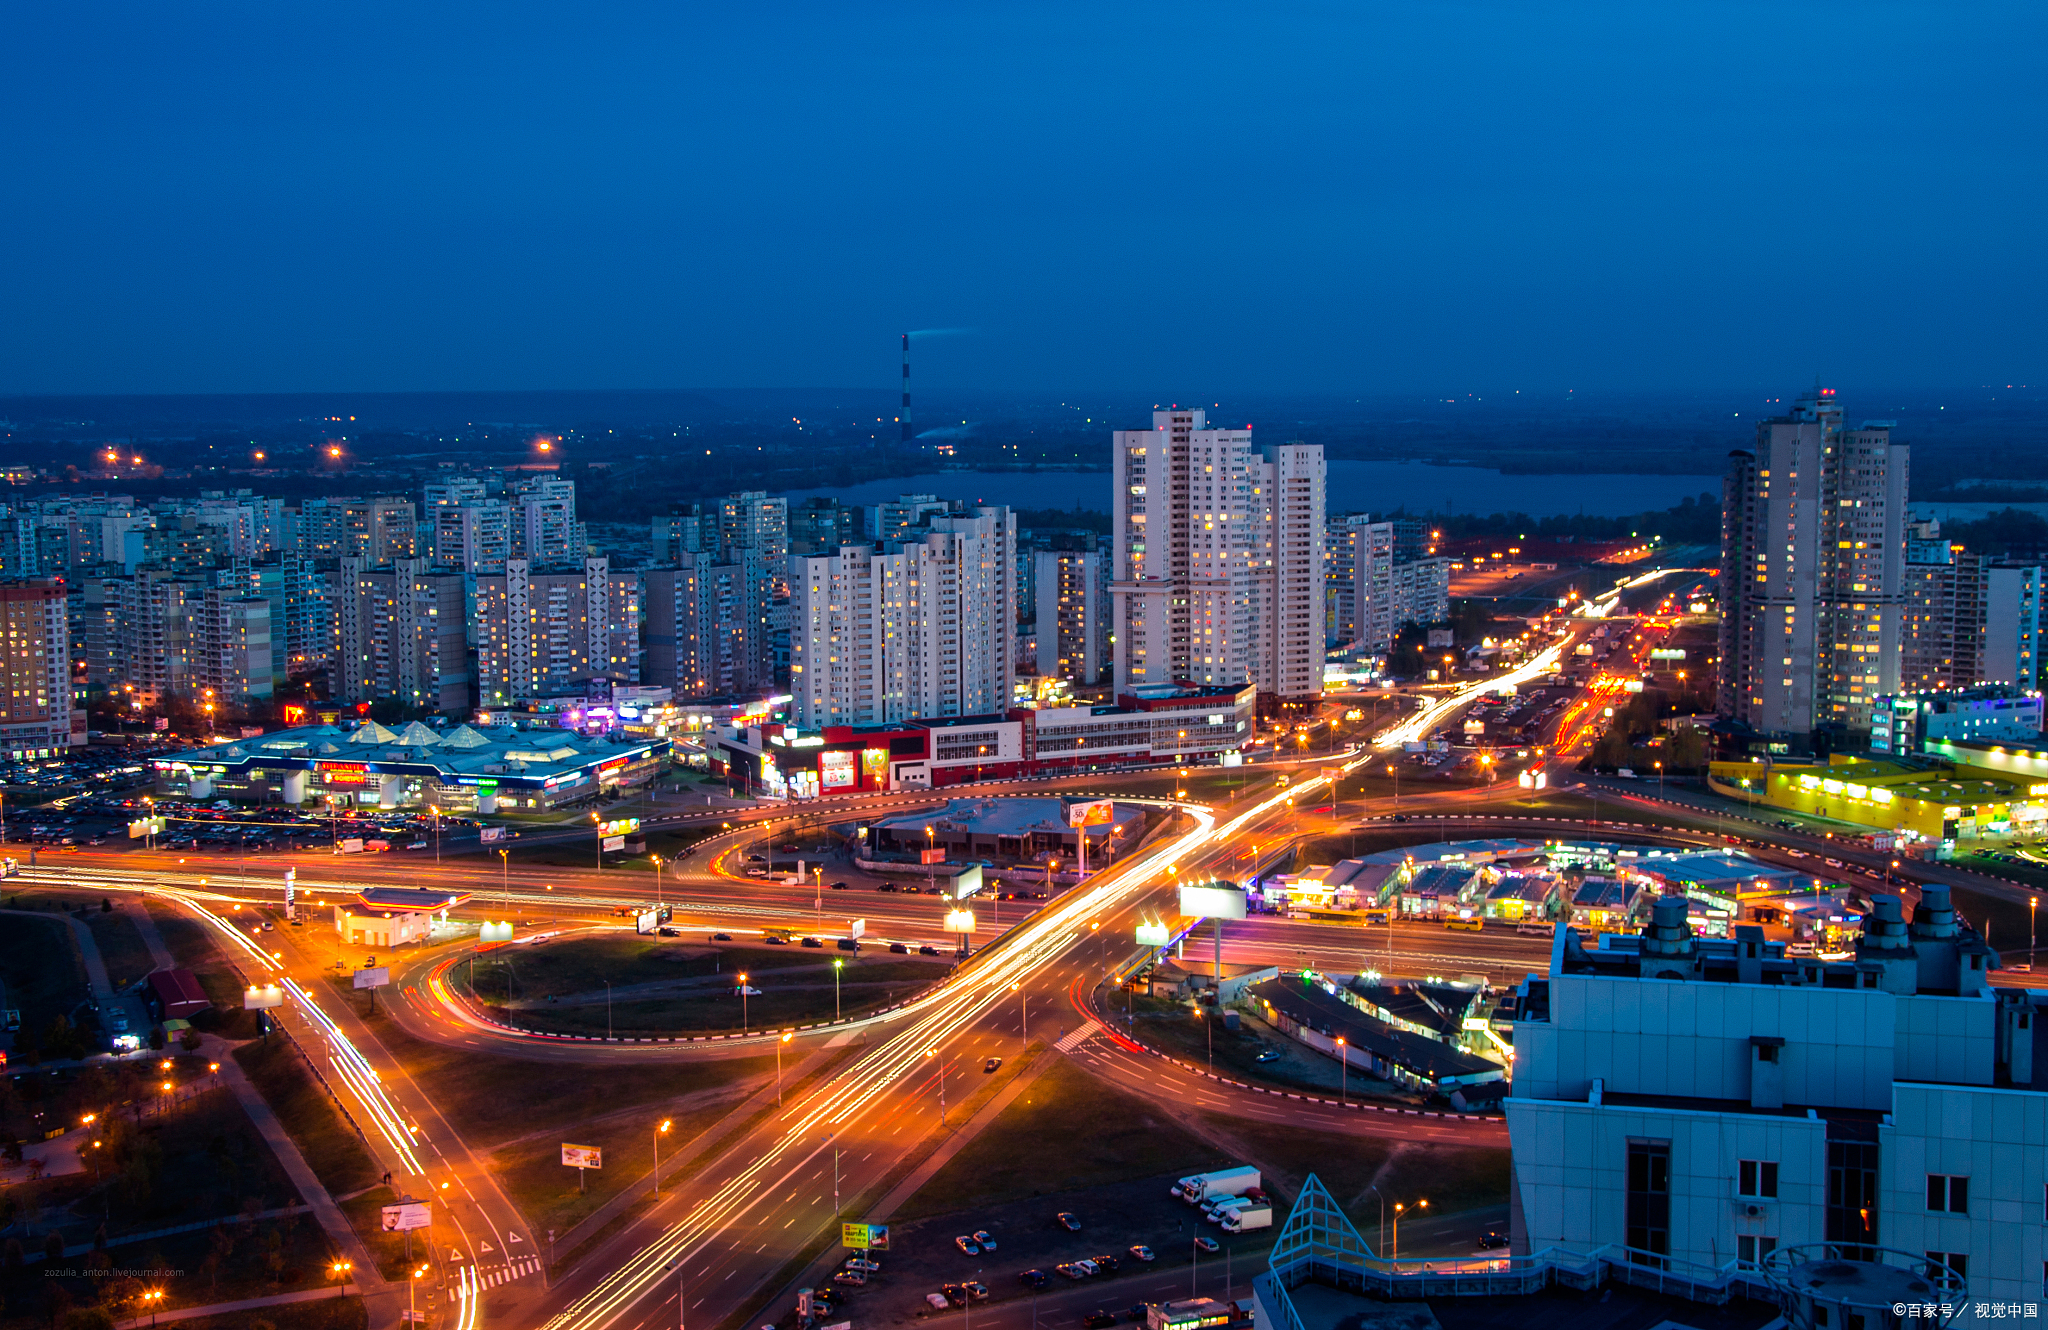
(507, 1273)
(1079, 1037)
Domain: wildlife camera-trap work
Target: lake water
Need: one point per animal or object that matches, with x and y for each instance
(1354, 487)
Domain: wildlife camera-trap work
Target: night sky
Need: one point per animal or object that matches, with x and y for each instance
(1180, 198)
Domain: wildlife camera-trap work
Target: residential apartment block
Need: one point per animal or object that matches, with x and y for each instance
(915, 627)
(1813, 570)
(548, 630)
(1217, 558)
(400, 632)
(1071, 597)
(36, 718)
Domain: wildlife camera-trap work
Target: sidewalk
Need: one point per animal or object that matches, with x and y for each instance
(247, 1304)
(137, 910)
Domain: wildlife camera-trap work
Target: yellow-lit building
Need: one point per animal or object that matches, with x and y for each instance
(1954, 791)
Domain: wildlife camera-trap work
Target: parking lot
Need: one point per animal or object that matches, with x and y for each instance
(923, 1259)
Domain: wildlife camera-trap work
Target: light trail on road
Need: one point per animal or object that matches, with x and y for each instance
(1025, 951)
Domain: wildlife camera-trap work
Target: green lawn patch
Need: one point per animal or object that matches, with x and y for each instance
(331, 1146)
(44, 972)
(122, 949)
(1066, 1132)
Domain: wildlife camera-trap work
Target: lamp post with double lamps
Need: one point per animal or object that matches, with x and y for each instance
(659, 1132)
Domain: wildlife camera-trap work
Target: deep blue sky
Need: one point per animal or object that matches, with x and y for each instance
(1185, 199)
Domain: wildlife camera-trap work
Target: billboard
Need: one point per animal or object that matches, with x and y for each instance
(864, 1237)
(1212, 900)
(931, 856)
(624, 826)
(857, 929)
(968, 883)
(837, 770)
(614, 843)
(646, 922)
(413, 1214)
(959, 921)
(1152, 935)
(501, 932)
(582, 1156)
(489, 834)
(375, 977)
(258, 997)
(353, 845)
(291, 893)
(344, 773)
(1091, 814)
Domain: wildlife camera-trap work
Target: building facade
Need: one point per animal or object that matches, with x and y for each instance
(1072, 603)
(35, 711)
(1703, 1101)
(920, 627)
(400, 632)
(1813, 571)
(548, 630)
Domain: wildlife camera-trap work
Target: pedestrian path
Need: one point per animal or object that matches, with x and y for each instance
(508, 1272)
(1079, 1037)
(145, 924)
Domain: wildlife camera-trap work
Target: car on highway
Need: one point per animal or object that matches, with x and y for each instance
(1206, 1243)
(927, 951)
(898, 949)
(1068, 1220)
(721, 937)
(669, 932)
(814, 942)
(1491, 1239)
(1143, 1253)
(993, 1063)
(837, 886)
(775, 941)
(966, 1244)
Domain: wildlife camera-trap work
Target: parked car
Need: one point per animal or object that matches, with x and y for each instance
(1097, 1320)
(1137, 1312)
(937, 1302)
(1068, 1221)
(1143, 1253)
(983, 1240)
(1070, 1270)
(1206, 1243)
(898, 949)
(976, 1291)
(966, 1244)
(1109, 1263)
(1035, 1278)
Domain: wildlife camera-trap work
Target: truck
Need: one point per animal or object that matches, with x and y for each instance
(1214, 1207)
(1246, 1218)
(1200, 1187)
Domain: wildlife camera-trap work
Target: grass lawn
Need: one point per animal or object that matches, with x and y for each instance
(500, 1099)
(332, 1149)
(1067, 1132)
(45, 975)
(1450, 1177)
(121, 947)
(583, 964)
(717, 1011)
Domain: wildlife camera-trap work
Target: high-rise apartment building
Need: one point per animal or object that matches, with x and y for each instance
(472, 537)
(707, 625)
(228, 647)
(1072, 595)
(35, 709)
(547, 630)
(920, 627)
(400, 633)
(544, 525)
(1217, 557)
(821, 525)
(1813, 563)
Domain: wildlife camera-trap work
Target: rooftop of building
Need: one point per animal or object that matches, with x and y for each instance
(412, 899)
(462, 749)
(1302, 999)
(1004, 817)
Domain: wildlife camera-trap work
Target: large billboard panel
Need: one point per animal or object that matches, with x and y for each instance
(582, 1156)
(1212, 900)
(1091, 814)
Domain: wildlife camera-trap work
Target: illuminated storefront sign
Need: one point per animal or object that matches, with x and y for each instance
(345, 773)
(836, 770)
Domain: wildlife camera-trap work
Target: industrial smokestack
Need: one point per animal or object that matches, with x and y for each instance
(905, 417)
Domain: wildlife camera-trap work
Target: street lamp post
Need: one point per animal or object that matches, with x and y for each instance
(1023, 1011)
(1343, 1074)
(2032, 901)
(786, 1037)
(1400, 1206)
(743, 1002)
(437, 833)
(659, 1132)
(155, 1299)
(412, 1312)
(339, 1270)
(838, 965)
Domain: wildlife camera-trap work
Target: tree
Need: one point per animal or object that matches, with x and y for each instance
(106, 905)
(156, 1038)
(189, 1040)
(53, 1246)
(86, 1318)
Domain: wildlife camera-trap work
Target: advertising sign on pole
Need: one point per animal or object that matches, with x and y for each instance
(259, 997)
(1152, 935)
(959, 921)
(968, 883)
(582, 1156)
(864, 1237)
(489, 834)
(291, 894)
(490, 932)
(614, 843)
(646, 922)
(413, 1214)
(931, 856)
(1093, 813)
(374, 977)
(857, 929)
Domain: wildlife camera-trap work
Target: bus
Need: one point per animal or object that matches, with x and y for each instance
(1377, 914)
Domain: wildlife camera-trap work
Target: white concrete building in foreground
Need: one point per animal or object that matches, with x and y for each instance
(1703, 1101)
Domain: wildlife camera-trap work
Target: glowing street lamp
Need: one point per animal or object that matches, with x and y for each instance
(659, 1132)
(743, 1002)
(786, 1037)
